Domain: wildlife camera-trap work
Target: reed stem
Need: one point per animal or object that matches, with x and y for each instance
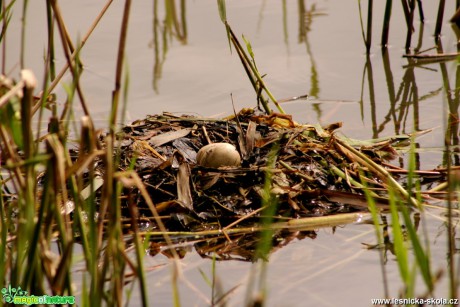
(119, 67)
(439, 19)
(386, 24)
(369, 26)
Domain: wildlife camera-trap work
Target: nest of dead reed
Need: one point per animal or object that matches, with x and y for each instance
(313, 174)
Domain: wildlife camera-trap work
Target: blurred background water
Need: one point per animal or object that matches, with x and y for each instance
(303, 47)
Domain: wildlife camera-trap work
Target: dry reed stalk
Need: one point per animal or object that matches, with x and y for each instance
(119, 66)
(439, 19)
(74, 54)
(386, 24)
(67, 47)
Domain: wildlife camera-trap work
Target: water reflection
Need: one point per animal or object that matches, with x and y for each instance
(242, 247)
(409, 9)
(405, 116)
(172, 26)
(403, 111)
(388, 243)
(245, 247)
(306, 17)
(453, 101)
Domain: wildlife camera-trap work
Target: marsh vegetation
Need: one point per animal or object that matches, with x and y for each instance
(115, 211)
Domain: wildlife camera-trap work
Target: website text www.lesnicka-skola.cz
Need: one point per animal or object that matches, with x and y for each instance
(415, 301)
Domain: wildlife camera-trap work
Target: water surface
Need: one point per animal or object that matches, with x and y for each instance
(322, 54)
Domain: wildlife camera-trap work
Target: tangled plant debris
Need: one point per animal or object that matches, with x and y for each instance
(314, 174)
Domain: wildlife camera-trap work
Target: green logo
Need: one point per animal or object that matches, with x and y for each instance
(9, 293)
(13, 295)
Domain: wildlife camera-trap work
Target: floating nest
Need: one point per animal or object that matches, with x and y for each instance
(303, 170)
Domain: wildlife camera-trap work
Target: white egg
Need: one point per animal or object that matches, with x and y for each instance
(218, 154)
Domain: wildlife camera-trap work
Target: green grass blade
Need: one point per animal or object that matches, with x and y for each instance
(223, 17)
(222, 10)
(380, 241)
(422, 257)
(398, 237)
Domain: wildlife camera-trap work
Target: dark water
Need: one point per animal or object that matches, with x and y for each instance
(373, 96)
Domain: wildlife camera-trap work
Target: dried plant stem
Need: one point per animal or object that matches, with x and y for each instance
(420, 10)
(367, 37)
(4, 27)
(249, 66)
(130, 178)
(244, 218)
(50, 26)
(308, 223)
(409, 8)
(23, 33)
(26, 205)
(73, 55)
(138, 245)
(378, 170)
(255, 72)
(386, 24)
(18, 179)
(119, 67)
(369, 26)
(67, 47)
(30, 83)
(439, 19)
(183, 20)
